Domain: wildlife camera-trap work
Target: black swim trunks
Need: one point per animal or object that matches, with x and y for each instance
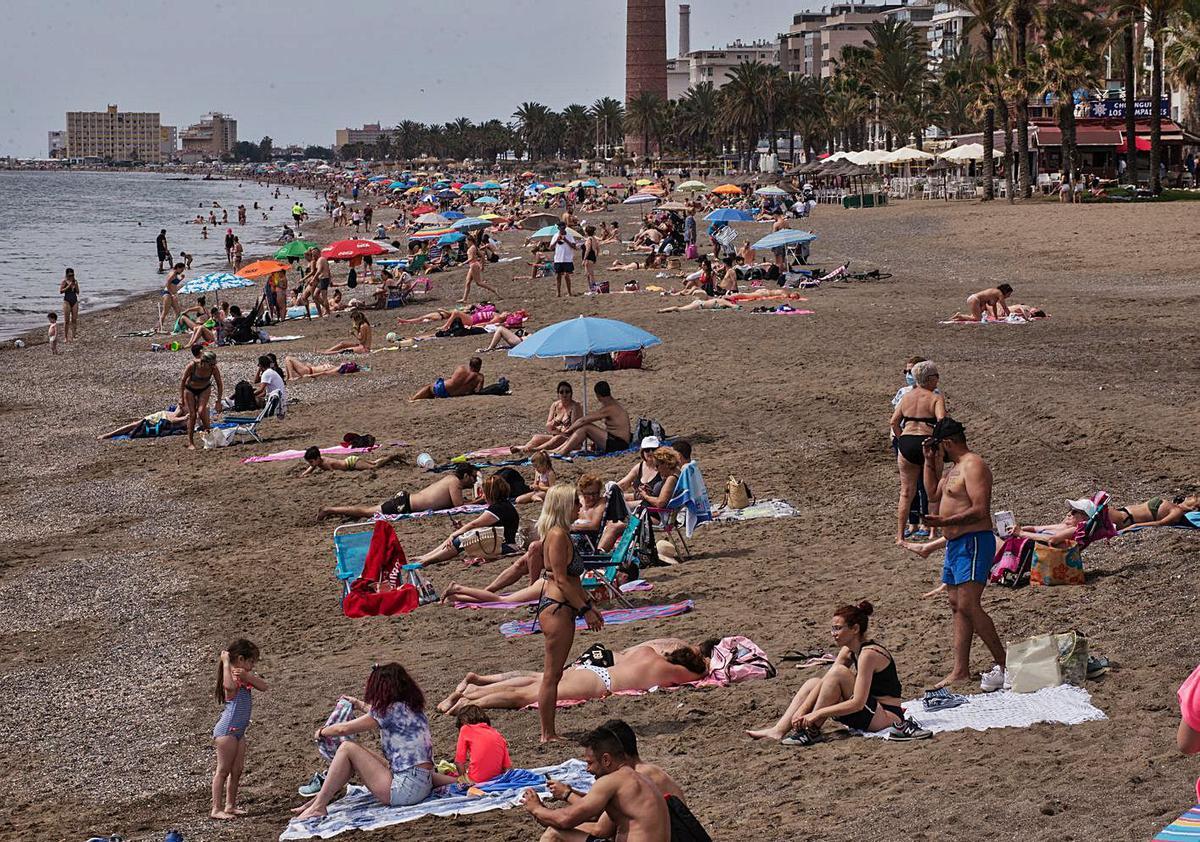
(397, 505)
(615, 444)
(598, 655)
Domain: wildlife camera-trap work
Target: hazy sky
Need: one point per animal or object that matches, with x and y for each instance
(299, 69)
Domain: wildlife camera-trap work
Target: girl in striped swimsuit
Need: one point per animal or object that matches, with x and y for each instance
(235, 679)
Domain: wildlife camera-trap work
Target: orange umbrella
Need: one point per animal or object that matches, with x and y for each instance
(262, 268)
(728, 190)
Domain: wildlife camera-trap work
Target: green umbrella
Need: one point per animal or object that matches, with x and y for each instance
(296, 248)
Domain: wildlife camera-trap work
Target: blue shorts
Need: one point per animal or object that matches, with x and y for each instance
(969, 558)
(439, 388)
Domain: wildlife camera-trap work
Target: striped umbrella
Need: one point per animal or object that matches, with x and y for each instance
(213, 282)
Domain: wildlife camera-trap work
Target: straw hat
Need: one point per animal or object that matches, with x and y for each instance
(666, 551)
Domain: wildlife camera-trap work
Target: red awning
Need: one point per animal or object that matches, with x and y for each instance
(1141, 144)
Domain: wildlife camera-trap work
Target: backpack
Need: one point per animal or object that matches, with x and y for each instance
(1013, 562)
(500, 387)
(648, 427)
(627, 359)
(244, 399)
(737, 659)
(684, 825)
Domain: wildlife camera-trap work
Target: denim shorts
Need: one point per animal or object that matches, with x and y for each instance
(411, 786)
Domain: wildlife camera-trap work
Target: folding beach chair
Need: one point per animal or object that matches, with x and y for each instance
(1064, 565)
(248, 424)
(350, 544)
(626, 558)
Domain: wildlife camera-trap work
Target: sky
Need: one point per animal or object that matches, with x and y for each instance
(298, 69)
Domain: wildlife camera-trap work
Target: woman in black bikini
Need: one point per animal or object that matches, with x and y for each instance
(861, 690)
(563, 597)
(1157, 511)
(643, 475)
(590, 252)
(194, 389)
(70, 293)
(912, 422)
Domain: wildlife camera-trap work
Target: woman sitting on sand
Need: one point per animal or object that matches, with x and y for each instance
(402, 775)
(636, 668)
(500, 512)
(297, 370)
(564, 412)
(361, 344)
(1157, 511)
(861, 689)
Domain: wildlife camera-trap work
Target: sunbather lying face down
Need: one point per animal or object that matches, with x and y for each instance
(637, 668)
(1155, 512)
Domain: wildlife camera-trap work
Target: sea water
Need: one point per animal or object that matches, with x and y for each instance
(104, 225)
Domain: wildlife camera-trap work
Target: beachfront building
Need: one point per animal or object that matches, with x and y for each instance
(113, 135)
(56, 144)
(168, 142)
(715, 65)
(215, 135)
(368, 135)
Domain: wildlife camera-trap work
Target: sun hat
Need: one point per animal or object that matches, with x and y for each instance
(1083, 504)
(650, 443)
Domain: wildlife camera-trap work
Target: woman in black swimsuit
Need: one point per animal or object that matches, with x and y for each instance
(644, 474)
(912, 422)
(861, 690)
(70, 293)
(563, 597)
(194, 389)
(590, 246)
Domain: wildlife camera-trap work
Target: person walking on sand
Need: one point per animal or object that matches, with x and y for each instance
(229, 238)
(475, 269)
(235, 679)
(164, 252)
(69, 288)
(169, 295)
(564, 245)
(961, 503)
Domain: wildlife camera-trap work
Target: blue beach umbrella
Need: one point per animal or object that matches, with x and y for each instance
(467, 223)
(453, 214)
(549, 231)
(378, 178)
(471, 188)
(489, 185)
(780, 239)
(729, 215)
(583, 337)
(213, 282)
(451, 238)
(487, 200)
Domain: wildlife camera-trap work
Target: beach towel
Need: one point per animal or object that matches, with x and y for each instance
(627, 587)
(289, 338)
(761, 509)
(1186, 828)
(782, 312)
(465, 509)
(216, 425)
(615, 617)
(384, 559)
(691, 495)
(359, 810)
(1012, 319)
(1064, 704)
(289, 455)
(1190, 521)
(485, 453)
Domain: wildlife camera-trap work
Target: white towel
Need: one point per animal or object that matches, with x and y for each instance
(1064, 704)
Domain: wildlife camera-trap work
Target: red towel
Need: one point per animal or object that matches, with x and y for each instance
(384, 559)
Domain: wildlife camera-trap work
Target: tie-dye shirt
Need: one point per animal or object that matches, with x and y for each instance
(405, 737)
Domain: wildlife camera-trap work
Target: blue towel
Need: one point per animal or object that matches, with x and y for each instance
(691, 495)
(509, 780)
(1193, 519)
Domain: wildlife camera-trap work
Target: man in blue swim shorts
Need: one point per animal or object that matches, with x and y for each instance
(963, 502)
(466, 380)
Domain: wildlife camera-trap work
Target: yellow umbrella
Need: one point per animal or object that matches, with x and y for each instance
(575, 183)
(554, 191)
(643, 181)
(728, 190)
(412, 190)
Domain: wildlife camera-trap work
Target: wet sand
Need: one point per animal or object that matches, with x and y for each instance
(128, 566)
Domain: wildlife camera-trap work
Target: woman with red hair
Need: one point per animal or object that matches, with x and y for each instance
(393, 705)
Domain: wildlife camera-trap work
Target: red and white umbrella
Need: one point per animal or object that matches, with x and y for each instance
(347, 249)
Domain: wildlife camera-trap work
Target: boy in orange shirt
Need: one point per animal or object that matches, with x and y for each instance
(483, 744)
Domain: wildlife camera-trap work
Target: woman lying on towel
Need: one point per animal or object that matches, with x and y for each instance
(703, 304)
(1025, 311)
(597, 673)
(1156, 511)
(161, 423)
(861, 690)
(297, 370)
(403, 775)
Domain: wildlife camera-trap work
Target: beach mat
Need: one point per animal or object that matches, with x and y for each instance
(1186, 828)
(217, 425)
(1190, 523)
(628, 587)
(783, 313)
(289, 455)
(465, 509)
(1064, 705)
(288, 338)
(761, 509)
(614, 617)
(359, 810)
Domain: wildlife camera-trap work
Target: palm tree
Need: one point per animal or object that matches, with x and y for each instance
(958, 87)
(1066, 63)
(741, 106)
(642, 117)
(1020, 15)
(533, 118)
(810, 115)
(897, 73)
(1183, 57)
(986, 15)
(696, 115)
(773, 97)
(1132, 14)
(1159, 14)
(608, 113)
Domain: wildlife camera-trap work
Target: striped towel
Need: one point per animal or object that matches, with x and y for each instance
(1186, 828)
(288, 455)
(466, 509)
(615, 617)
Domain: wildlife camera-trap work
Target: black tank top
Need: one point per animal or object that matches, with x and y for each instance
(886, 682)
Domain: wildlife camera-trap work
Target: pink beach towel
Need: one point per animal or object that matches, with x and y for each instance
(628, 587)
(615, 617)
(288, 455)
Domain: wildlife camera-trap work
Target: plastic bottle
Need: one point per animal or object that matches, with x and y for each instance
(154, 346)
(425, 461)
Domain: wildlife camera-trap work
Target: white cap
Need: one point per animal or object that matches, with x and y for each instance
(1083, 504)
(650, 443)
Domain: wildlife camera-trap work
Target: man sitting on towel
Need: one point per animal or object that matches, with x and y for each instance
(445, 493)
(466, 380)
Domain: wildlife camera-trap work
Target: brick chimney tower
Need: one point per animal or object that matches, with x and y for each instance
(645, 56)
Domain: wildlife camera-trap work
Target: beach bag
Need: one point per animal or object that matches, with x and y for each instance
(691, 252)
(500, 387)
(357, 440)
(1033, 664)
(1012, 563)
(484, 542)
(218, 437)
(1056, 565)
(737, 659)
(1072, 656)
(647, 427)
(627, 359)
(737, 494)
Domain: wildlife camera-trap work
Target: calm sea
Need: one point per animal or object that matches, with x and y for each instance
(104, 224)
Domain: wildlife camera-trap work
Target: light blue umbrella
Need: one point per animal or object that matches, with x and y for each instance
(487, 200)
(549, 231)
(591, 182)
(453, 214)
(489, 185)
(729, 215)
(781, 239)
(471, 188)
(467, 223)
(451, 238)
(213, 282)
(378, 178)
(583, 337)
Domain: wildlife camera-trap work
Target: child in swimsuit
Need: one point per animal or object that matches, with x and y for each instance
(235, 679)
(543, 478)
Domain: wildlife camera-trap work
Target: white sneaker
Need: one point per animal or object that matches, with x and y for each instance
(994, 679)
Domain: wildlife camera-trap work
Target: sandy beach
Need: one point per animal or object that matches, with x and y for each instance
(129, 565)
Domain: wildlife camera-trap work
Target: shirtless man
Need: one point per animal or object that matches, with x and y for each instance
(961, 503)
(991, 301)
(611, 436)
(627, 801)
(324, 277)
(445, 493)
(657, 663)
(466, 380)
